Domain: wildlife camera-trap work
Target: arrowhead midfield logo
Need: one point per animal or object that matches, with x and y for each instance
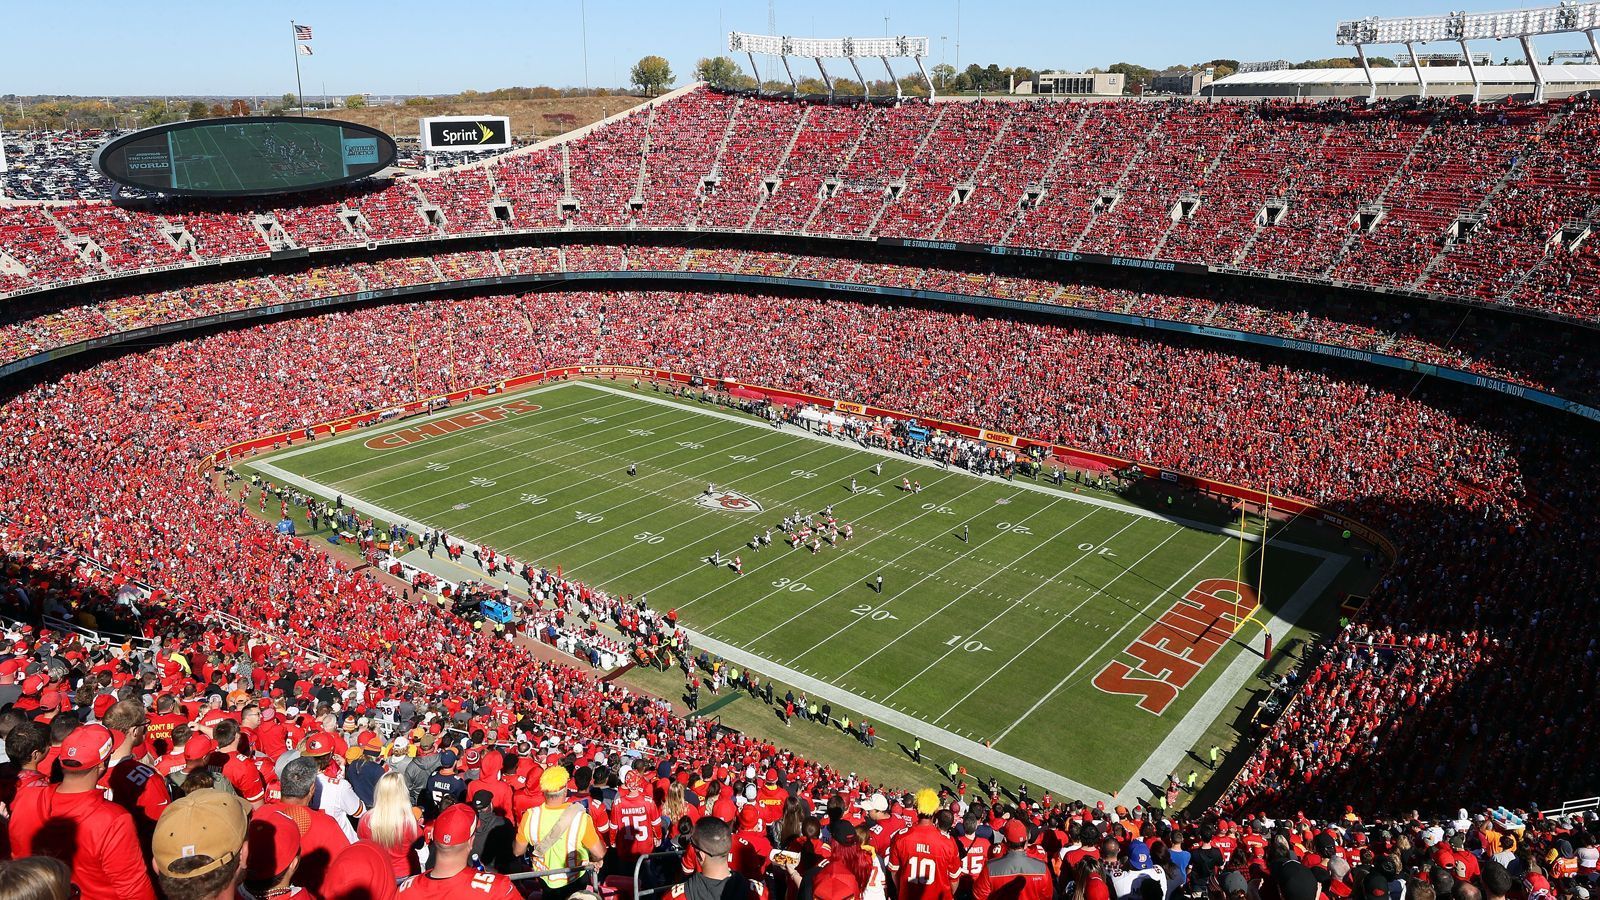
(728, 501)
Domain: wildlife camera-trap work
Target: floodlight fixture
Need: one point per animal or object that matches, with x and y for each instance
(846, 48)
(1522, 25)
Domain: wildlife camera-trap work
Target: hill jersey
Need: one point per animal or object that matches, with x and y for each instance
(925, 863)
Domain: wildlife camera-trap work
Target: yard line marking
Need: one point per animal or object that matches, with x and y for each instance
(678, 478)
(1041, 636)
(501, 449)
(929, 618)
(776, 556)
(882, 714)
(1130, 620)
(691, 519)
(1014, 604)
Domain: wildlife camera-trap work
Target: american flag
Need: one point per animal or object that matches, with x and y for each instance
(302, 32)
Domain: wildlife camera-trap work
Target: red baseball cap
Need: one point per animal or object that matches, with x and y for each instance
(319, 744)
(771, 777)
(86, 747)
(456, 825)
(199, 747)
(103, 703)
(748, 817)
(273, 840)
(51, 699)
(1016, 832)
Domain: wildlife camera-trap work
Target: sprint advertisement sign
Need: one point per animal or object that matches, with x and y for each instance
(442, 134)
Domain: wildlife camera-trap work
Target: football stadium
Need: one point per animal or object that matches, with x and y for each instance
(1118, 484)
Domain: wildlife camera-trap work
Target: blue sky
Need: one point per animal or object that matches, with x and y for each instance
(234, 47)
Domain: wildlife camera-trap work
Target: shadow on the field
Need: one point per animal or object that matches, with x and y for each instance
(1249, 719)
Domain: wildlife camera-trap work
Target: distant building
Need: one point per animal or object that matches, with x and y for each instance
(1181, 81)
(1094, 84)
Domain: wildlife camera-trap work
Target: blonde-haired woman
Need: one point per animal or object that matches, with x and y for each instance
(394, 825)
(36, 878)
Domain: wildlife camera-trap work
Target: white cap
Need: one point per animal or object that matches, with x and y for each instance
(875, 803)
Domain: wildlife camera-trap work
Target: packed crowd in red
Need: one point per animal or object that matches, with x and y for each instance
(1522, 352)
(1491, 203)
(102, 458)
(1475, 641)
(1463, 681)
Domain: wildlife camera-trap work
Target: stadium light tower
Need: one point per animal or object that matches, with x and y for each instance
(819, 49)
(1522, 24)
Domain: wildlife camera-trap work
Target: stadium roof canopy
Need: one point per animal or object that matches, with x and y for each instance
(1497, 82)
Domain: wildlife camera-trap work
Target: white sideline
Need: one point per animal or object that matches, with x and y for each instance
(815, 687)
(1021, 483)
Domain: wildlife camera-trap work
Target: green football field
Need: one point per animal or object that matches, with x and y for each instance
(220, 158)
(1007, 608)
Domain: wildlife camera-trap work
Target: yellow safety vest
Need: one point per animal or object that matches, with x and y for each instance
(563, 854)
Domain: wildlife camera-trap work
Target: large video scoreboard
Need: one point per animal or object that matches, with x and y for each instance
(247, 155)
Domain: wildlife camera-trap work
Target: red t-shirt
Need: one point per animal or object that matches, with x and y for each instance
(751, 854)
(242, 773)
(159, 732)
(402, 859)
(638, 824)
(321, 840)
(925, 863)
(87, 832)
(972, 861)
(464, 884)
(881, 835)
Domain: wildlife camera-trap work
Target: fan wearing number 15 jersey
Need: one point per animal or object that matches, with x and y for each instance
(924, 860)
(637, 820)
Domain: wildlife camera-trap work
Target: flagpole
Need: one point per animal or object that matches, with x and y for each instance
(294, 45)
